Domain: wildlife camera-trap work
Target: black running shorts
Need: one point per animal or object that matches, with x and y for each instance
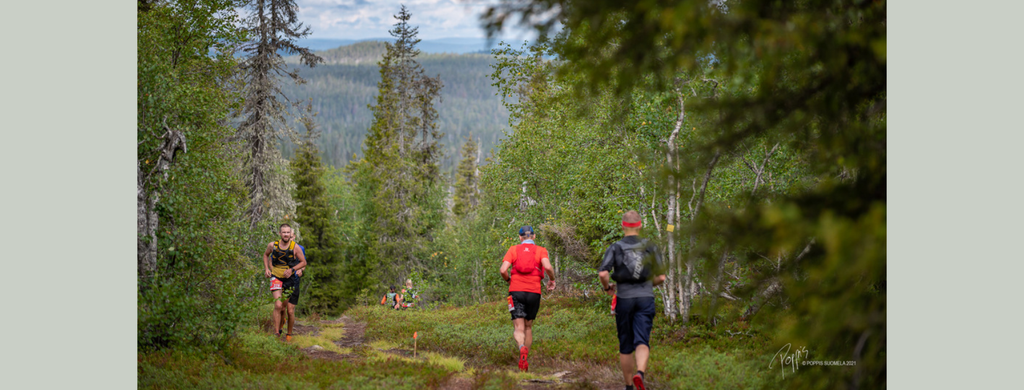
(525, 304)
(289, 287)
(634, 318)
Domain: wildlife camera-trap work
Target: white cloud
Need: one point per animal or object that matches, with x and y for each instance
(360, 19)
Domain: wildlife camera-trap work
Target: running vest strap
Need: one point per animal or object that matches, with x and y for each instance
(282, 259)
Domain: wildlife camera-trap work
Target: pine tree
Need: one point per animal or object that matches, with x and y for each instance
(398, 176)
(315, 217)
(274, 27)
(466, 180)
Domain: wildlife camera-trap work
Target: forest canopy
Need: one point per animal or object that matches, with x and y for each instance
(750, 137)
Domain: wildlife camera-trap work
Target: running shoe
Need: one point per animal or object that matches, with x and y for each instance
(638, 382)
(523, 364)
(288, 337)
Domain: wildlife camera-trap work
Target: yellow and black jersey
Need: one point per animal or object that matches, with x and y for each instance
(282, 259)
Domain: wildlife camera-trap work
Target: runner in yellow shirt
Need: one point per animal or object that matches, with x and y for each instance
(281, 261)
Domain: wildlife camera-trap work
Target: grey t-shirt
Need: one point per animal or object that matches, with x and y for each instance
(612, 256)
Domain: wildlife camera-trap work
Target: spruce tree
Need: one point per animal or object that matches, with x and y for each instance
(315, 219)
(398, 175)
(274, 28)
(465, 198)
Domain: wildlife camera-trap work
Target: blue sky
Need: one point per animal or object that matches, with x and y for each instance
(360, 19)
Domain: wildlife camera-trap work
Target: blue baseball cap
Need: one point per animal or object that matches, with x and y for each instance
(525, 230)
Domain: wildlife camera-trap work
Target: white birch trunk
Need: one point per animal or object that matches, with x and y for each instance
(670, 277)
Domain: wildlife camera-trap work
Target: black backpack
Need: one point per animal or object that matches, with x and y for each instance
(632, 267)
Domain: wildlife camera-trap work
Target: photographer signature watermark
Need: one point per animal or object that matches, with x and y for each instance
(799, 357)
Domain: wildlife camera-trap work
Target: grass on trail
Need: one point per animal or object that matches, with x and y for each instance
(473, 346)
(571, 333)
(328, 333)
(263, 361)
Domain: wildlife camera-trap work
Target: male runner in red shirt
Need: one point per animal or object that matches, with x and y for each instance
(521, 267)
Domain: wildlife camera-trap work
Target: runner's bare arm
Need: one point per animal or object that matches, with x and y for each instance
(658, 280)
(605, 282)
(504, 270)
(266, 259)
(550, 271)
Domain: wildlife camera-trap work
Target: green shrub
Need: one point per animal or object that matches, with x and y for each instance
(710, 369)
(185, 312)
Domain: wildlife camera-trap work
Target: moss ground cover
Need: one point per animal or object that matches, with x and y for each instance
(471, 346)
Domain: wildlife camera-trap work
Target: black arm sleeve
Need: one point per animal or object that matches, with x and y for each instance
(609, 259)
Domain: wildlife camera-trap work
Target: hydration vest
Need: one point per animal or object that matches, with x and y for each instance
(282, 259)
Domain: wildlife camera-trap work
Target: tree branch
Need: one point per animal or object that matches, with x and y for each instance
(760, 171)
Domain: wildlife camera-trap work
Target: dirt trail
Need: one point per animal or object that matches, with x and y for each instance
(558, 373)
(352, 338)
(354, 332)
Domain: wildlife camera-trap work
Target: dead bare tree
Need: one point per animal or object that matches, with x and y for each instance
(148, 194)
(759, 171)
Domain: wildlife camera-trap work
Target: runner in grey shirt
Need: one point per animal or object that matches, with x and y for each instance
(637, 266)
(633, 290)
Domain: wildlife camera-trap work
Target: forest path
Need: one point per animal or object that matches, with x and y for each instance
(549, 374)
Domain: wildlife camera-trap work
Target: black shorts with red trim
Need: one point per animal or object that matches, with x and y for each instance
(524, 304)
(289, 285)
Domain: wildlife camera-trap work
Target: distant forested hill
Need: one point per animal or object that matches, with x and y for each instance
(342, 88)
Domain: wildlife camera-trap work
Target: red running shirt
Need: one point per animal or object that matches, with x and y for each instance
(521, 282)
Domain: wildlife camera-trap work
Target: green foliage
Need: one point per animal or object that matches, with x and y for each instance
(317, 220)
(563, 331)
(203, 288)
(576, 163)
(809, 75)
(577, 331)
(461, 341)
(466, 191)
(709, 369)
(398, 180)
(367, 52)
(463, 265)
(266, 345)
(356, 273)
(261, 361)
